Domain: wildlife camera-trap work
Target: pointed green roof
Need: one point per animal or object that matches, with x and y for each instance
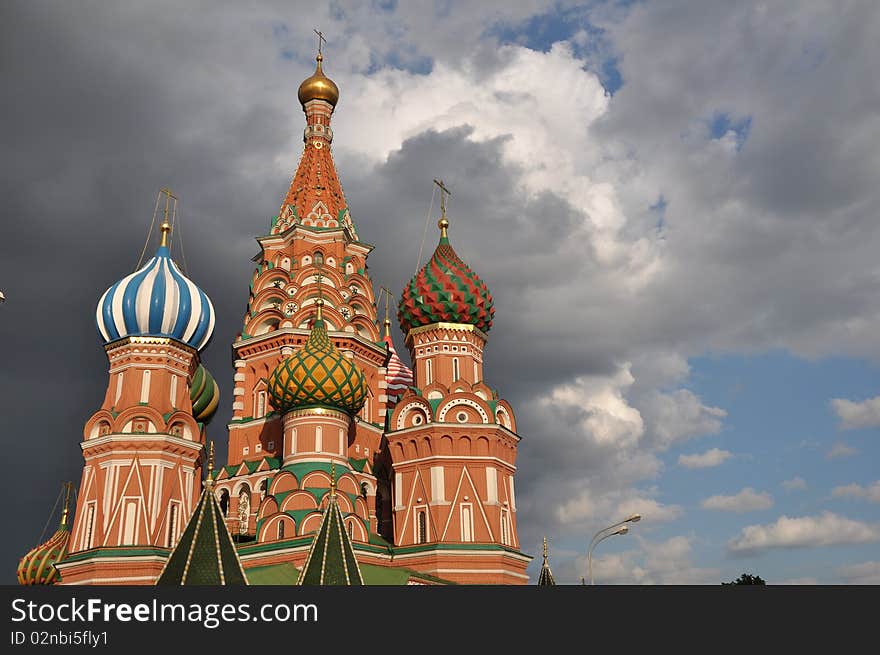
(331, 559)
(205, 554)
(546, 579)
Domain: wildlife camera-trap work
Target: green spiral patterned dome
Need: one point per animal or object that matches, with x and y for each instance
(204, 394)
(318, 376)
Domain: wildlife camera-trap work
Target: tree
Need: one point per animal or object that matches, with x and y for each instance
(746, 578)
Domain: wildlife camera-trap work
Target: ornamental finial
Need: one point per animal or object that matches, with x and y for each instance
(170, 205)
(65, 512)
(387, 322)
(332, 479)
(319, 303)
(318, 86)
(209, 481)
(545, 549)
(443, 224)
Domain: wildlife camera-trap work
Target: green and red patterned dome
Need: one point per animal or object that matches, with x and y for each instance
(318, 375)
(446, 290)
(38, 566)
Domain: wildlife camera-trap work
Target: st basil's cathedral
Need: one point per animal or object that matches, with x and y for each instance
(344, 466)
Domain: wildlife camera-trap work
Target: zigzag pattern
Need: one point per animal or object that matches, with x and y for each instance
(445, 290)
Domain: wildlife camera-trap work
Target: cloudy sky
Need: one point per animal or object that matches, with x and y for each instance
(673, 203)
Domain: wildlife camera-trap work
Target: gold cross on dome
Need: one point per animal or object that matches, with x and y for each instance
(321, 39)
(443, 193)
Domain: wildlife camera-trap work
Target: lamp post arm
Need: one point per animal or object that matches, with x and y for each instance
(592, 546)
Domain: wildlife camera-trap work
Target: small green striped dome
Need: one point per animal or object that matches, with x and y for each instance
(204, 394)
(318, 375)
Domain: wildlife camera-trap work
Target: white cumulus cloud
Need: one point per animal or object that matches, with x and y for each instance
(857, 414)
(747, 500)
(665, 562)
(869, 492)
(679, 416)
(826, 529)
(863, 573)
(712, 457)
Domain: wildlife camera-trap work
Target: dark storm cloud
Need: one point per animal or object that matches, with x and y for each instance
(772, 244)
(101, 110)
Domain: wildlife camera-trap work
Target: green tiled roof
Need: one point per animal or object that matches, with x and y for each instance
(274, 574)
(331, 559)
(373, 575)
(205, 554)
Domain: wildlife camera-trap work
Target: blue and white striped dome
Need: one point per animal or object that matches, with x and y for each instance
(157, 300)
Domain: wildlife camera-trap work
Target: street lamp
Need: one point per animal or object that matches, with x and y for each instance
(618, 528)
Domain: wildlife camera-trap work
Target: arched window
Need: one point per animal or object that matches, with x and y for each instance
(264, 487)
(224, 502)
(261, 405)
(172, 524)
(505, 527)
(467, 523)
(90, 526)
(129, 528)
(281, 529)
(145, 387)
(428, 371)
(351, 529)
(455, 373)
(422, 527)
(319, 258)
(244, 509)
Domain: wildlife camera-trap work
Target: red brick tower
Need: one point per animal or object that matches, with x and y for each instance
(451, 440)
(143, 448)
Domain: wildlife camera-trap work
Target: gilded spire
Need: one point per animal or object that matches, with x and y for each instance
(387, 322)
(331, 559)
(545, 578)
(205, 553)
(443, 224)
(165, 228)
(319, 303)
(66, 511)
(209, 481)
(170, 205)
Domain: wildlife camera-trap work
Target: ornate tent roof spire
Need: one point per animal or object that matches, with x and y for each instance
(331, 559)
(209, 481)
(205, 554)
(545, 578)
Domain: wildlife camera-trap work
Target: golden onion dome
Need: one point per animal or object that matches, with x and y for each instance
(318, 87)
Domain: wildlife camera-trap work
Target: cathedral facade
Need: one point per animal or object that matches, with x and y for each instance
(335, 444)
